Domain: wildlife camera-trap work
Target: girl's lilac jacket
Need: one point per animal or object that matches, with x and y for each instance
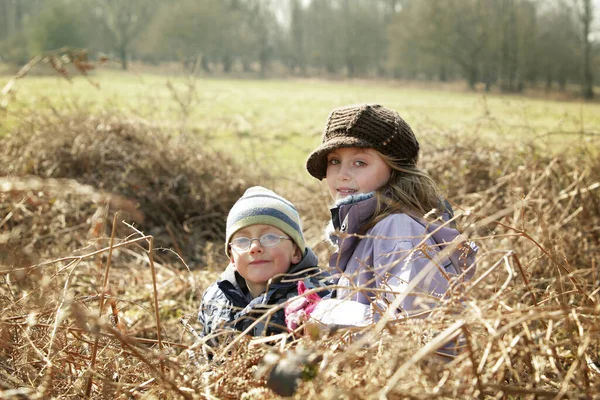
(399, 256)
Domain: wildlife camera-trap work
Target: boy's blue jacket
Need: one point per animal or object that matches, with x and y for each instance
(227, 303)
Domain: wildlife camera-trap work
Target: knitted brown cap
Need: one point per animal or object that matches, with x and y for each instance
(367, 126)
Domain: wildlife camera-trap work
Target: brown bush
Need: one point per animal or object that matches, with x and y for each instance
(530, 316)
(548, 203)
(178, 191)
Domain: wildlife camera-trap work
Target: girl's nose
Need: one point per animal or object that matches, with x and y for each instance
(344, 172)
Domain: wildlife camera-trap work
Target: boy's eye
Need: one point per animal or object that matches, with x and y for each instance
(242, 244)
(270, 239)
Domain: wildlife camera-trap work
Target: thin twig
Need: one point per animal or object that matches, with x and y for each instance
(156, 310)
(105, 290)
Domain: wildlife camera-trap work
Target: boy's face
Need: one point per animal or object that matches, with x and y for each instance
(353, 170)
(258, 264)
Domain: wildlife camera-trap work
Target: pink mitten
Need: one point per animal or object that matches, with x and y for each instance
(299, 309)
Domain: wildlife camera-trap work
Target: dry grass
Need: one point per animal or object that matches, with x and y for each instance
(530, 316)
(175, 190)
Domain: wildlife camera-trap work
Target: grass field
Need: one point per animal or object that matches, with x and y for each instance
(138, 151)
(290, 114)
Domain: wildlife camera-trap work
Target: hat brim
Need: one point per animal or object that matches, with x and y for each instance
(316, 163)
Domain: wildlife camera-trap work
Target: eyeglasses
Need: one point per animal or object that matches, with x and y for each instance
(242, 244)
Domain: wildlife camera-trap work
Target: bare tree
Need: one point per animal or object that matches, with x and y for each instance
(124, 21)
(585, 12)
(297, 41)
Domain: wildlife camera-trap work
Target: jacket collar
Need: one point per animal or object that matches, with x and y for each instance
(347, 217)
(233, 285)
(342, 220)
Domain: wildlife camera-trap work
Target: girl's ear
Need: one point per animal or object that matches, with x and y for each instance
(297, 256)
(231, 260)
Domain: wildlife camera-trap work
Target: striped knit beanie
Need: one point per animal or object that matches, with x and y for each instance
(263, 206)
(366, 126)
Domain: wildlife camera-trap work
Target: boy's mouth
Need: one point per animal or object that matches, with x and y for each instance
(258, 262)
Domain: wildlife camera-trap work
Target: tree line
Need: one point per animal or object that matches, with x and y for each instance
(508, 44)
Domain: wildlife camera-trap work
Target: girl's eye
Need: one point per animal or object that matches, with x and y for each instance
(333, 161)
(359, 163)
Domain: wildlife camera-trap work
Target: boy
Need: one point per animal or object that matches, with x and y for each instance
(268, 256)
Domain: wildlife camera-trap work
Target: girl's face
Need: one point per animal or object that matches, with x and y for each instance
(353, 170)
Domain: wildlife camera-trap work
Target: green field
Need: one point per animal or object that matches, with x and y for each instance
(283, 119)
(529, 316)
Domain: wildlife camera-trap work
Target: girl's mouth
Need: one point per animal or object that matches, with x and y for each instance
(346, 191)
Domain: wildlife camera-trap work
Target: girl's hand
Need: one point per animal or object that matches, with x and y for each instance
(298, 310)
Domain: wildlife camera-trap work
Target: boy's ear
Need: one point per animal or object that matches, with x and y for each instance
(297, 256)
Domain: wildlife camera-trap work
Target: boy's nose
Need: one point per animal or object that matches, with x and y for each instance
(255, 246)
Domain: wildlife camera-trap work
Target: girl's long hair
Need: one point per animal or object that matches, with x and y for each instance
(409, 190)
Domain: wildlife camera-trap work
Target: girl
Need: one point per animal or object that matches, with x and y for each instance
(388, 258)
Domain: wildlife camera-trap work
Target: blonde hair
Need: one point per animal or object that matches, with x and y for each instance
(409, 190)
